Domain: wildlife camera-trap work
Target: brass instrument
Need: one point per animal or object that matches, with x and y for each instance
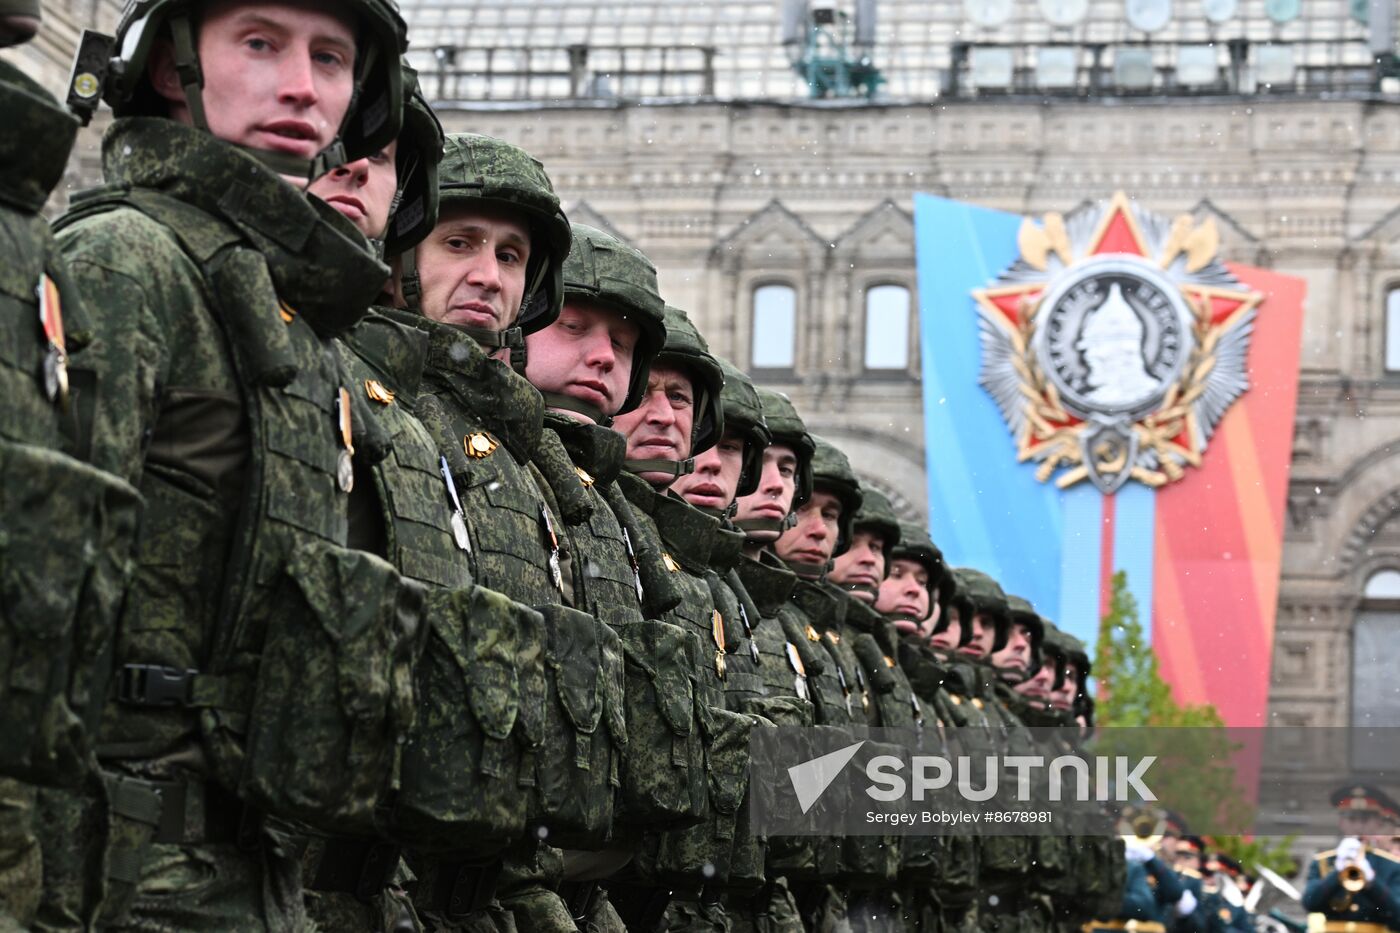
(1353, 879)
(1147, 828)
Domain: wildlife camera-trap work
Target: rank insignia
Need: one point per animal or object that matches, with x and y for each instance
(479, 445)
(378, 392)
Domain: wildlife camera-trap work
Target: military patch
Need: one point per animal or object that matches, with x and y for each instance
(584, 477)
(378, 392)
(289, 314)
(812, 634)
(670, 562)
(479, 445)
(889, 661)
(834, 638)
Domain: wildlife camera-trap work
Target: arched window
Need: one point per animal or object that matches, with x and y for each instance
(1392, 330)
(774, 327)
(887, 327)
(1375, 691)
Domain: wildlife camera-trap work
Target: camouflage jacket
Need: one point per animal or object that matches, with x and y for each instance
(488, 422)
(874, 642)
(68, 527)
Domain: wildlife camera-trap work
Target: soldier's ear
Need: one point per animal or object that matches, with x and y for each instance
(164, 77)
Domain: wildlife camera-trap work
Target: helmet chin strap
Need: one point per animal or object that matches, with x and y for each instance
(675, 468)
(569, 403)
(806, 569)
(778, 525)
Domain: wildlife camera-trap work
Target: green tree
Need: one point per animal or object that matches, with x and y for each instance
(1195, 774)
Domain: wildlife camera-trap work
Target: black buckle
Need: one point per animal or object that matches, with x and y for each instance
(154, 685)
(470, 888)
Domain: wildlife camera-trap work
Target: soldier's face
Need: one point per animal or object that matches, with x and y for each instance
(716, 476)
(1038, 687)
(947, 640)
(278, 75)
(659, 428)
(1016, 655)
(362, 190)
(776, 486)
(1063, 698)
(586, 354)
(861, 569)
(984, 634)
(904, 594)
(472, 267)
(813, 539)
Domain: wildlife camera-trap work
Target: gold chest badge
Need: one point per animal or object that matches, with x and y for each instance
(479, 445)
(378, 392)
(670, 562)
(584, 476)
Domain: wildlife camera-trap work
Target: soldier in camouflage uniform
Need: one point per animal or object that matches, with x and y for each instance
(252, 634)
(855, 578)
(488, 277)
(681, 415)
(67, 526)
(590, 366)
(859, 868)
(911, 597)
(769, 684)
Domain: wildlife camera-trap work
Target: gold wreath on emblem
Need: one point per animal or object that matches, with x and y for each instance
(584, 477)
(1155, 448)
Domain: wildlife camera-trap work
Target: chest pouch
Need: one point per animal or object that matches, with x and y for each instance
(577, 771)
(663, 770)
(333, 700)
(477, 683)
(65, 532)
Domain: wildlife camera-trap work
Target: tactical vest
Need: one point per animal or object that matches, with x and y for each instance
(67, 528)
(663, 768)
(703, 853)
(864, 861)
(305, 694)
(468, 765)
(489, 420)
(893, 703)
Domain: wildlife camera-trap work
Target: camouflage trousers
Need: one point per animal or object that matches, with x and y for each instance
(528, 889)
(21, 866)
(770, 909)
(922, 912)
(217, 887)
(694, 915)
(336, 912)
(1026, 915)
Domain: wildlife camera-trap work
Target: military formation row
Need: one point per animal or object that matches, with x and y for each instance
(380, 551)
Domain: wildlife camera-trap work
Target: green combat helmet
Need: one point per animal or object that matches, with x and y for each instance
(23, 22)
(916, 545)
(415, 210)
(1021, 612)
(685, 348)
(987, 598)
(483, 170)
(604, 270)
(371, 122)
(743, 415)
(785, 426)
(957, 598)
(832, 472)
(877, 515)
